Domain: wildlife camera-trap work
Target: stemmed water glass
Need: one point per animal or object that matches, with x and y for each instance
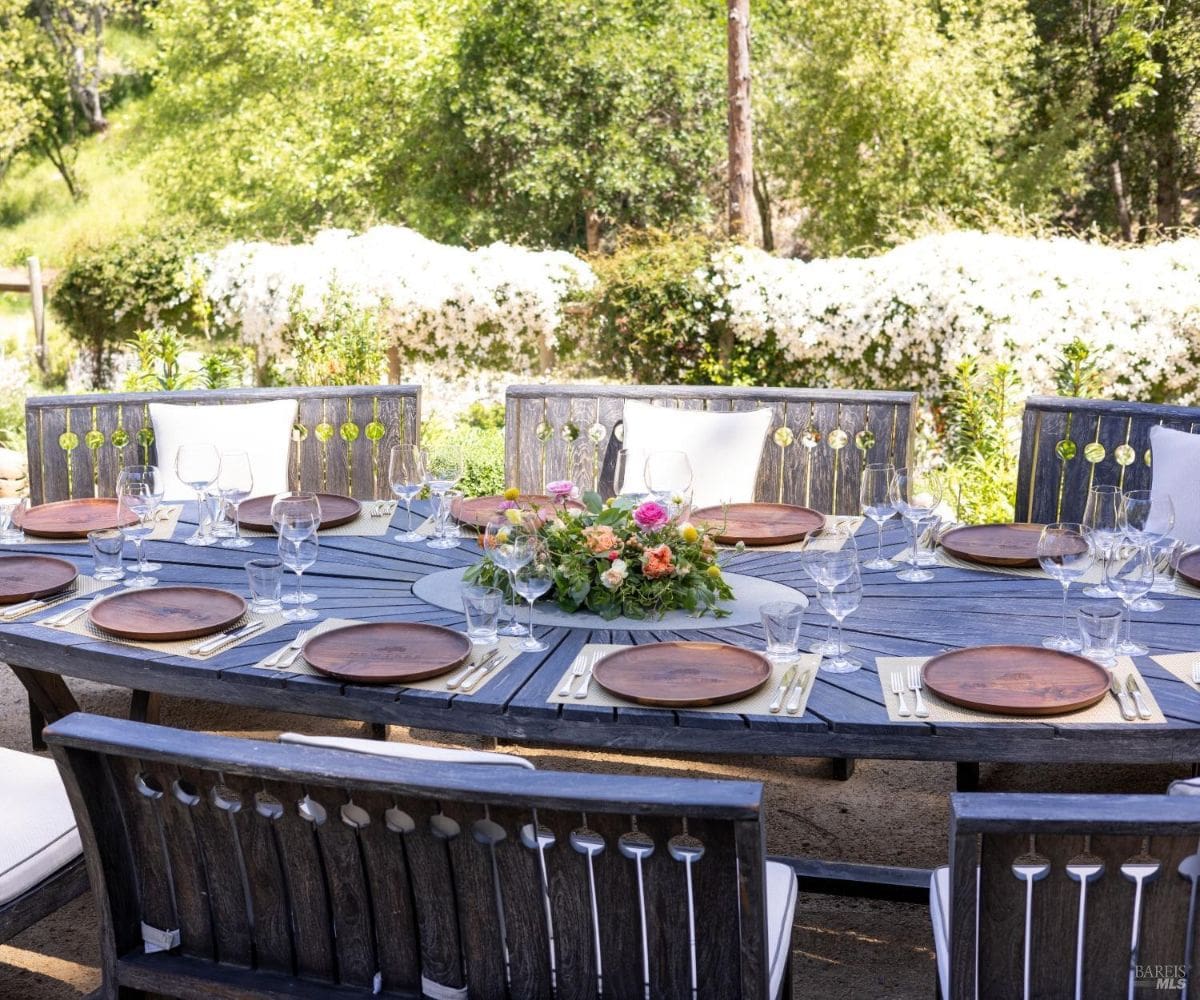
(1146, 521)
(1131, 575)
(879, 505)
(828, 569)
(298, 554)
(510, 547)
(145, 474)
(915, 496)
(533, 580)
(629, 474)
(1065, 554)
(840, 601)
(140, 496)
(235, 482)
(669, 475)
(406, 475)
(296, 516)
(198, 466)
(443, 470)
(1102, 518)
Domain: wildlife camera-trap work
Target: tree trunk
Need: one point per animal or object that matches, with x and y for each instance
(1120, 199)
(591, 225)
(762, 198)
(741, 159)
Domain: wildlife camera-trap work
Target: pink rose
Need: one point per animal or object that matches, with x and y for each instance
(650, 515)
(600, 538)
(562, 490)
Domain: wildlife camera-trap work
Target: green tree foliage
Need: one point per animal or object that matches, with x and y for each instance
(556, 119)
(874, 113)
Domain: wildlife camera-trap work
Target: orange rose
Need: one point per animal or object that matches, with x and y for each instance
(601, 539)
(657, 562)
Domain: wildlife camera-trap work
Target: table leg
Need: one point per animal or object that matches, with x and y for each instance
(37, 722)
(966, 776)
(48, 694)
(145, 706)
(843, 768)
(378, 731)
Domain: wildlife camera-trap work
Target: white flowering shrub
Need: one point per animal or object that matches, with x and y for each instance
(906, 318)
(499, 306)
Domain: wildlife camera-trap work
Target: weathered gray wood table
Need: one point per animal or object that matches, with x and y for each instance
(371, 579)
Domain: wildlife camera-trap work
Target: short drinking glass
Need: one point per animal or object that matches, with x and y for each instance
(106, 545)
(781, 625)
(265, 577)
(1098, 631)
(12, 510)
(482, 605)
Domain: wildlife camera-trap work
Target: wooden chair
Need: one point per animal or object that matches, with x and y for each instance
(267, 870)
(78, 444)
(1068, 444)
(815, 450)
(1067, 896)
(41, 861)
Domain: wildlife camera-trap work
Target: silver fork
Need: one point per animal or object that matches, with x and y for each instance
(453, 683)
(578, 669)
(276, 659)
(914, 685)
(898, 691)
(65, 618)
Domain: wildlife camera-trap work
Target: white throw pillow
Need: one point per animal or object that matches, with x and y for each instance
(262, 430)
(1175, 465)
(408, 751)
(724, 449)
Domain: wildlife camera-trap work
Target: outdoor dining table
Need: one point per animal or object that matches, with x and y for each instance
(372, 578)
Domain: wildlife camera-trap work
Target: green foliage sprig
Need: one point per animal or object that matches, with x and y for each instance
(341, 343)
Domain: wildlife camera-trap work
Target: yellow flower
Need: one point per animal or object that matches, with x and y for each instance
(511, 493)
(714, 571)
(514, 516)
(688, 532)
(502, 536)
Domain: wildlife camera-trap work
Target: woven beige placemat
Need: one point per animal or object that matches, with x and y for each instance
(1104, 713)
(1179, 664)
(365, 525)
(182, 647)
(509, 647)
(752, 704)
(164, 529)
(83, 586)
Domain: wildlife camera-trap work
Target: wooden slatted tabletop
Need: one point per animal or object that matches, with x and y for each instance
(370, 579)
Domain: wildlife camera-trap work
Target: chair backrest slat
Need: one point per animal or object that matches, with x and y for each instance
(365, 873)
(816, 447)
(1068, 445)
(78, 444)
(1058, 839)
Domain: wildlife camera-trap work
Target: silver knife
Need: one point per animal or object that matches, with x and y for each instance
(793, 703)
(1127, 712)
(231, 635)
(586, 683)
(1143, 710)
(479, 675)
(782, 690)
(16, 610)
(455, 681)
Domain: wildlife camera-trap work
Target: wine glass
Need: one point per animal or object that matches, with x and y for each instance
(444, 467)
(1102, 518)
(629, 474)
(669, 475)
(1146, 521)
(510, 547)
(828, 568)
(298, 554)
(533, 580)
(878, 504)
(137, 499)
(915, 495)
(1065, 554)
(235, 482)
(198, 466)
(840, 601)
(152, 475)
(295, 504)
(1131, 575)
(406, 475)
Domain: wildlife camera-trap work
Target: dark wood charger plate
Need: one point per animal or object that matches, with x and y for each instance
(1016, 680)
(336, 510)
(682, 674)
(166, 614)
(23, 578)
(996, 544)
(387, 652)
(478, 511)
(73, 518)
(761, 523)
(1188, 567)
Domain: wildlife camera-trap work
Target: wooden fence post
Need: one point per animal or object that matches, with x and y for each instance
(37, 297)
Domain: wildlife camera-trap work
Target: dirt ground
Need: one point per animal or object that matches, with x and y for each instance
(890, 812)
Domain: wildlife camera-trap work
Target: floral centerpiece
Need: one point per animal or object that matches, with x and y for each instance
(617, 557)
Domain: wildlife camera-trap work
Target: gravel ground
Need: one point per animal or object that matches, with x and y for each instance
(890, 812)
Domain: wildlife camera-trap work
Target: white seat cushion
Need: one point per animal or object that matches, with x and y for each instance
(262, 430)
(781, 913)
(1184, 786)
(37, 835)
(939, 913)
(407, 751)
(1175, 465)
(724, 449)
